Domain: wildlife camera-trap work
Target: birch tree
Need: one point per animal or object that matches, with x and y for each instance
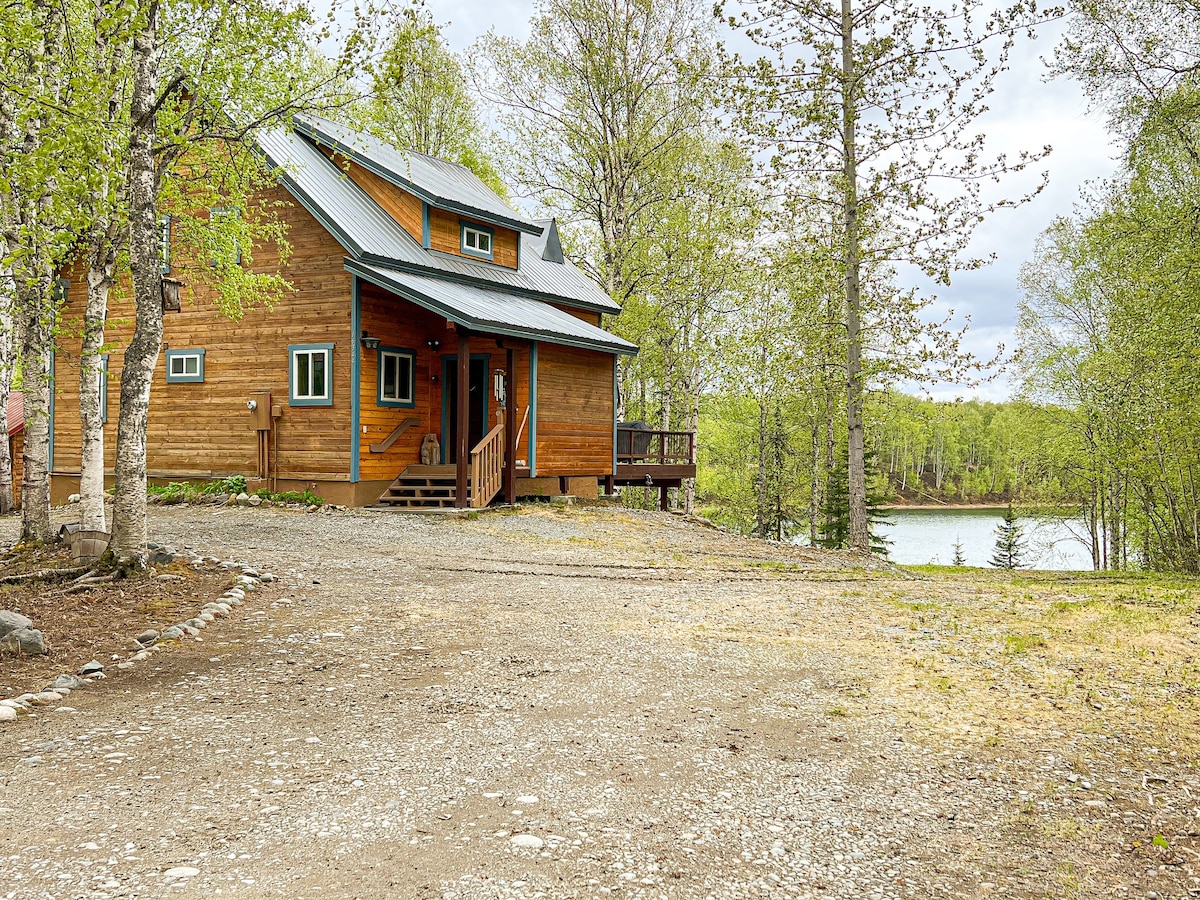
(870, 113)
(37, 213)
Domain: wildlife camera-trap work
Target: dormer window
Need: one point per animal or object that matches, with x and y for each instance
(476, 240)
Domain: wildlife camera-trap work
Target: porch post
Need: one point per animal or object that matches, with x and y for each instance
(510, 428)
(461, 499)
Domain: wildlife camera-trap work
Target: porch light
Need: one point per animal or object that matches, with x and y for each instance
(368, 342)
(433, 344)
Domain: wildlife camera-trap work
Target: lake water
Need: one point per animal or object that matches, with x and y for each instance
(921, 536)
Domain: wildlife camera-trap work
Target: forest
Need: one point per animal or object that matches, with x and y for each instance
(768, 189)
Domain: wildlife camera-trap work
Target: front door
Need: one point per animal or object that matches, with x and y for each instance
(476, 409)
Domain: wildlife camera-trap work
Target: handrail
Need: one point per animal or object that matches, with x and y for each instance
(656, 447)
(396, 432)
(487, 467)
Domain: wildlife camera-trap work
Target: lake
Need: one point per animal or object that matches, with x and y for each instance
(921, 536)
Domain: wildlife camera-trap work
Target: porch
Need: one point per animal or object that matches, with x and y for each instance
(649, 458)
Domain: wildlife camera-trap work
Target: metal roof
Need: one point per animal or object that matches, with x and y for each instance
(439, 183)
(371, 235)
(491, 311)
(16, 412)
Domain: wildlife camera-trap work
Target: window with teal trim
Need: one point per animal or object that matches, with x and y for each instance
(397, 377)
(104, 387)
(310, 373)
(226, 239)
(164, 243)
(185, 366)
(476, 240)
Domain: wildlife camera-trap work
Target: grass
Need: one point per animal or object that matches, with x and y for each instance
(190, 491)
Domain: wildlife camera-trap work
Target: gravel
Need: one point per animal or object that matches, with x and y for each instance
(558, 703)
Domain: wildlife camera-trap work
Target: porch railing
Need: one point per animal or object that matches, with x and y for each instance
(487, 468)
(663, 448)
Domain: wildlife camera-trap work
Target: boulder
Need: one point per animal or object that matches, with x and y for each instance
(11, 621)
(161, 556)
(24, 642)
(92, 668)
(70, 682)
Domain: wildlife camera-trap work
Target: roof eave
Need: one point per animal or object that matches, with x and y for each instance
(443, 275)
(357, 268)
(445, 203)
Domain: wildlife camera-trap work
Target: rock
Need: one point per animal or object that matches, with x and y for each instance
(95, 666)
(139, 657)
(13, 704)
(65, 709)
(243, 499)
(527, 799)
(220, 499)
(70, 682)
(161, 556)
(11, 621)
(173, 633)
(7, 714)
(24, 642)
(189, 630)
(207, 617)
(146, 638)
(73, 498)
(254, 501)
(268, 578)
(180, 872)
(196, 623)
(250, 572)
(168, 577)
(45, 698)
(97, 676)
(528, 841)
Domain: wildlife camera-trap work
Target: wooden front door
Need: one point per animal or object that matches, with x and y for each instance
(477, 410)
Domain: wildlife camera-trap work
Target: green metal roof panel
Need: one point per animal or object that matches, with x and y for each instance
(492, 311)
(443, 184)
(369, 234)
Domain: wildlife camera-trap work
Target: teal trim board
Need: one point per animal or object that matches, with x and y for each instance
(533, 359)
(355, 379)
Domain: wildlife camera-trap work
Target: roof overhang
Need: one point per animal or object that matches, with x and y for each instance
(315, 133)
(507, 315)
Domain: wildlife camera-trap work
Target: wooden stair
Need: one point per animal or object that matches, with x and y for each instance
(422, 487)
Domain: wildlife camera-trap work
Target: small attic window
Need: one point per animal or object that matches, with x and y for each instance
(476, 240)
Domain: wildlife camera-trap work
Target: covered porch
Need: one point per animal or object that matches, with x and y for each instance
(451, 408)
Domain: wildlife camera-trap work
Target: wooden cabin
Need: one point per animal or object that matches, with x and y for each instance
(16, 441)
(437, 349)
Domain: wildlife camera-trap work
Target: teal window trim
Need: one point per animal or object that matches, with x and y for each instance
(355, 380)
(425, 226)
(164, 244)
(182, 376)
(103, 388)
(411, 355)
(464, 228)
(533, 367)
(295, 350)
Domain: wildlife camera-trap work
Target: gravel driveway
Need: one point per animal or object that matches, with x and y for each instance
(542, 704)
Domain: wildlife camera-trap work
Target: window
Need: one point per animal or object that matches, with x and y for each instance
(310, 369)
(185, 366)
(103, 388)
(164, 243)
(476, 240)
(396, 376)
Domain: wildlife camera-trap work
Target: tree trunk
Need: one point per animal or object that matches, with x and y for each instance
(860, 533)
(36, 330)
(141, 356)
(8, 342)
(761, 524)
(91, 416)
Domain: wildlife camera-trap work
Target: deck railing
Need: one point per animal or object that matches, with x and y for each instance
(487, 468)
(663, 448)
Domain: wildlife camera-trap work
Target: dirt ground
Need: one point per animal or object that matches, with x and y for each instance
(587, 702)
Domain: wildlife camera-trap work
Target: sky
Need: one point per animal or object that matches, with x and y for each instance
(1027, 111)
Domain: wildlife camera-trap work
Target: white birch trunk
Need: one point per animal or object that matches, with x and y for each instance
(36, 331)
(128, 543)
(91, 461)
(7, 357)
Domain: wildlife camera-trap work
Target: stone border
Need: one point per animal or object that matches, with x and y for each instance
(147, 643)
